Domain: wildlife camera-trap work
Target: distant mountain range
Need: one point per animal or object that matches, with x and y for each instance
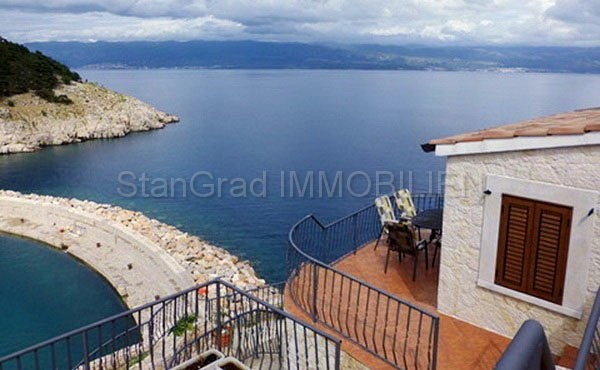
(270, 55)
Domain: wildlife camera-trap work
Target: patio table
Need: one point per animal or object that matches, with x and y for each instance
(431, 219)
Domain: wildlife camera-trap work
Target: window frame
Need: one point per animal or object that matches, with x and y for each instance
(581, 238)
(535, 210)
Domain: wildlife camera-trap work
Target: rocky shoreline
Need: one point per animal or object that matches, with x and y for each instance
(203, 261)
(28, 123)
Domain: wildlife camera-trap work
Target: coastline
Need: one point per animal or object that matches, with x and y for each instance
(142, 258)
(28, 123)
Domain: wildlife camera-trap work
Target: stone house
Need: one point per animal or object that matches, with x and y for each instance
(521, 231)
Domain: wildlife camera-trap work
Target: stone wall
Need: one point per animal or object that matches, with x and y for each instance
(459, 295)
(142, 258)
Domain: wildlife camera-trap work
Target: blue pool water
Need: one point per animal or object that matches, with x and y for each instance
(241, 124)
(44, 293)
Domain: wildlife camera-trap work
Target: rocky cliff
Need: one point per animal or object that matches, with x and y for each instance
(28, 122)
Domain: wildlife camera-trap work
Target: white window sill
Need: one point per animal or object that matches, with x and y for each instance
(567, 311)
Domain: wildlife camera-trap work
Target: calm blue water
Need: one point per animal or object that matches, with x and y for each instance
(237, 124)
(241, 123)
(44, 293)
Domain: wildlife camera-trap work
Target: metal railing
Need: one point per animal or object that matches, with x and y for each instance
(589, 349)
(396, 331)
(178, 328)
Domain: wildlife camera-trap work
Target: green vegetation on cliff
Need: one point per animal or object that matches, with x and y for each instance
(22, 71)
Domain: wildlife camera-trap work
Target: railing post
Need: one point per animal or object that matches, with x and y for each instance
(151, 335)
(219, 323)
(315, 278)
(86, 351)
(338, 357)
(436, 334)
(288, 259)
(355, 232)
(325, 247)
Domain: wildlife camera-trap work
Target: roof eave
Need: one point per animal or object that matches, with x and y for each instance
(428, 148)
(513, 144)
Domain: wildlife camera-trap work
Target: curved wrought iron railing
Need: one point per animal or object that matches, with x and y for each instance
(170, 331)
(396, 331)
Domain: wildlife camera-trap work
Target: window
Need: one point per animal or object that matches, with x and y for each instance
(533, 243)
(550, 199)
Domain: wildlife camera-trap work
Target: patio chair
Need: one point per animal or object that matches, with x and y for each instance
(405, 204)
(402, 239)
(407, 209)
(436, 240)
(385, 210)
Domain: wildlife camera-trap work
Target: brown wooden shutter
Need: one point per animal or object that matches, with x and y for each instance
(515, 227)
(548, 266)
(533, 247)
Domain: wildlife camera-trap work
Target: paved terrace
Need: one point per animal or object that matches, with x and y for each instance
(461, 345)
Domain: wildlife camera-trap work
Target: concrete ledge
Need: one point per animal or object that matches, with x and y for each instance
(153, 271)
(140, 257)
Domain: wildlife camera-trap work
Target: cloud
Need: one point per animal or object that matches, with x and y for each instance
(95, 26)
(138, 8)
(545, 22)
(575, 11)
(582, 18)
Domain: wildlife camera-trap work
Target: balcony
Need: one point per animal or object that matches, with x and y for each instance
(386, 320)
(336, 282)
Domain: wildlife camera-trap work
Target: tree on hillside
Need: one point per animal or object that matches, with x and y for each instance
(22, 71)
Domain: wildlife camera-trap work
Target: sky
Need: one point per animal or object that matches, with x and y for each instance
(436, 22)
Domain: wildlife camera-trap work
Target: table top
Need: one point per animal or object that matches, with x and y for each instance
(429, 219)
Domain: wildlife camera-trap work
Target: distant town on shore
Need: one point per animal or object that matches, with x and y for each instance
(279, 55)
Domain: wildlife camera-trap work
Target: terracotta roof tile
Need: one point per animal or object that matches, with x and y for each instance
(572, 129)
(592, 127)
(499, 133)
(531, 131)
(571, 123)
